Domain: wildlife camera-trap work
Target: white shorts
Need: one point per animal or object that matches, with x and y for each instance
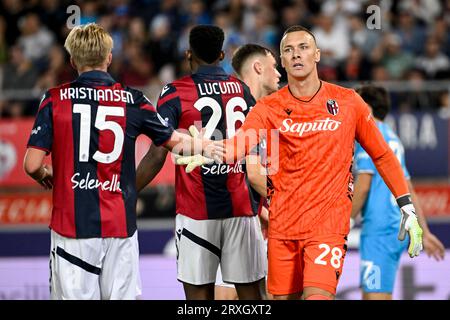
(234, 243)
(94, 268)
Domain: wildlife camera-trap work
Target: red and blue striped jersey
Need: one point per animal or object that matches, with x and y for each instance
(90, 126)
(218, 102)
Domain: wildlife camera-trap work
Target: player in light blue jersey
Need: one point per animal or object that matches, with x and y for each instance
(380, 249)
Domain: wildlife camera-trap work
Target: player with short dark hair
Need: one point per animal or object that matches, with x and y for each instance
(216, 220)
(379, 247)
(90, 127)
(257, 67)
(378, 100)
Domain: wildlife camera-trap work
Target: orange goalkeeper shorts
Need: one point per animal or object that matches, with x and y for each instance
(316, 261)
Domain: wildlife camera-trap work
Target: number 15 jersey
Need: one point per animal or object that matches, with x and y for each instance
(218, 102)
(90, 126)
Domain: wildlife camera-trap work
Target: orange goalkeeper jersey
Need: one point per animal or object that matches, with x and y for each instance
(311, 189)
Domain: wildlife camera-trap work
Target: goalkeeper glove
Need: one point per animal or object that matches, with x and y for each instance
(410, 224)
(194, 161)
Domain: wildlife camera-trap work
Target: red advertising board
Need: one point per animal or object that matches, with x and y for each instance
(434, 199)
(25, 208)
(13, 141)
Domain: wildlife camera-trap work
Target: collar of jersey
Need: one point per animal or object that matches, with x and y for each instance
(310, 99)
(96, 77)
(211, 70)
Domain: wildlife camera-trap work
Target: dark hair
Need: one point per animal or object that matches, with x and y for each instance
(377, 98)
(243, 53)
(296, 28)
(206, 42)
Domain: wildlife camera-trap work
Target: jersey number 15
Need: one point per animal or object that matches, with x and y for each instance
(100, 123)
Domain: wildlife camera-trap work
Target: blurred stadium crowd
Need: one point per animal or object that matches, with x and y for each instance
(150, 37)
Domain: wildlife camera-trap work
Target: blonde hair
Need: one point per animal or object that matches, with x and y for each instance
(88, 45)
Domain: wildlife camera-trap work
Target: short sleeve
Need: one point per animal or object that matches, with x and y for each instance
(41, 136)
(169, 105)
(153, 124)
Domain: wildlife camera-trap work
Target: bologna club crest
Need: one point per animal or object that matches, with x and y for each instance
(332, 107)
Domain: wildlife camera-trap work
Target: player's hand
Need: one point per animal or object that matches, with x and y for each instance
(410, 224)
(197, 160)
(433, 247)
(192, 162)
(47, 179)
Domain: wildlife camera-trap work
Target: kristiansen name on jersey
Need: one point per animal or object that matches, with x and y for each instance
(96, 94)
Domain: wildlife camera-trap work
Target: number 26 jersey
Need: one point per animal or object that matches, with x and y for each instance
(219, 103)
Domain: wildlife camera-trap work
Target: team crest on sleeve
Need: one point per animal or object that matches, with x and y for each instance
(332, 107)
(167, 88)
(43, 98)
(165, 121)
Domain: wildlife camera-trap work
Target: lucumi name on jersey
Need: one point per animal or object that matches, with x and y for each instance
(209, 88)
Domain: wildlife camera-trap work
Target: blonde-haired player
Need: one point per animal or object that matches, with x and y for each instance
(90, 126)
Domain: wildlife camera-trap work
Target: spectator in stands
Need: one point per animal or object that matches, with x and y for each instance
(233, 37)
(412, 35)
(434, 60)
(137, 69)
(263, 31)
(444, 105)
(162, 45)
(360, 36)
(389, 53)
(12, 10)
(440, 31)
(3, 44)
(294, 13)
(356, 67)
(35, 39)
(423, 10)
(162, 29)
(89, 11)
(58, 71)
(137, 31)
(333, 41)
(417, 98)
(19, 72)
(379, 73)
(53, 14)
(197, 12)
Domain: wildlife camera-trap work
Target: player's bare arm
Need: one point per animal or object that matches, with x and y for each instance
(362, 188)
(179, 143)
(36, 169)
(150, 166)
(184, 144)
(257, 179)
